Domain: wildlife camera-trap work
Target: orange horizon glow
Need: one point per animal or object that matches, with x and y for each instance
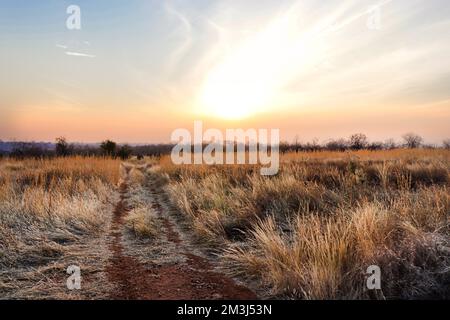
(308, 69)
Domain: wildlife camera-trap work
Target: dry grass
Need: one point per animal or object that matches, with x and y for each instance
(142, 222)
(48, 205)
(311, 231)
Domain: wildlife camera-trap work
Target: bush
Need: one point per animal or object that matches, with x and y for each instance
(108, 148)
(124, 152)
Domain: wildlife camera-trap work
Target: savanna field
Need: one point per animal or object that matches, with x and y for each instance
(310, 232)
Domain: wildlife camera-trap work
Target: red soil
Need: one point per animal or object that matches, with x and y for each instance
(190, 280)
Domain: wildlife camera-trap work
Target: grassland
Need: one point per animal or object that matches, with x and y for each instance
(309, 232)
(48, 209)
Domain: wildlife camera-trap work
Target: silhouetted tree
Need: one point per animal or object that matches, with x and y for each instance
(124, 152)
(297, 146)
(376, 145)
(337, 145)
(108, 148)
(389, 144)
(29, 150)
(63, 149)
(412, 140)
(313, 145)
(358, 141)
(153, 150)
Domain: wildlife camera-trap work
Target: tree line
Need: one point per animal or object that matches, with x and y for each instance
(360, 141)
(109, 148)
(62, 148)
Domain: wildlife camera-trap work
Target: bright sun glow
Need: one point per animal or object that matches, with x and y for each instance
(239, 87)
(228, 96)
(248, 80)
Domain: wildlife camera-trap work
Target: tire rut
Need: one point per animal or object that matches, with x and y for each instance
(193, 279)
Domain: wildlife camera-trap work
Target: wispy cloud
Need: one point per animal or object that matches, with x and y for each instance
(185, 30)
(79, 54)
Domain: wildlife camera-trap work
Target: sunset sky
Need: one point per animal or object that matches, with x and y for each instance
(139, 69)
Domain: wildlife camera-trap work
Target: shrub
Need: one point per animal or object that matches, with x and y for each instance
(124, 152)
(108, 148)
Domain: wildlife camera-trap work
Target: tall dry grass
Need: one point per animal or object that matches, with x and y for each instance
(46, 204)
(311, 231)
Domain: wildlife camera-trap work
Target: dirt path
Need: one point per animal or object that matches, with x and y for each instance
(189, 277)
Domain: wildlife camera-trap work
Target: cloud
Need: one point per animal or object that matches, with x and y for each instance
(186, 33)
(79, 54)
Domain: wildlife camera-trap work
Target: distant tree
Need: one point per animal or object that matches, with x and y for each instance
(124, 152)
(412, 140)
(313, 145)
(337, 145)
(108, 148)
(297, 146)
(358, 141)
(284, 146)
(85, 150)
(63, 149)
(446, 143)
(429, 146)
(153, 150)
(389, 144)
(376, 145)
(23, 150)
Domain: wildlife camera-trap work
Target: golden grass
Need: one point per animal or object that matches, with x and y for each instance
(383, 155)
(311, 231)
(45, 204)
(142, 222)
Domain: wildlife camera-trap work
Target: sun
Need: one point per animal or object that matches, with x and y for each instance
(244, 82)
(235, 90)
(248, 80)
(233, 95)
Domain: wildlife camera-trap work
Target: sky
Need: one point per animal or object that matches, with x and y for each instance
(137, 70)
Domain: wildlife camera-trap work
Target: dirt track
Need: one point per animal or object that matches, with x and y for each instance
(191, 278)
